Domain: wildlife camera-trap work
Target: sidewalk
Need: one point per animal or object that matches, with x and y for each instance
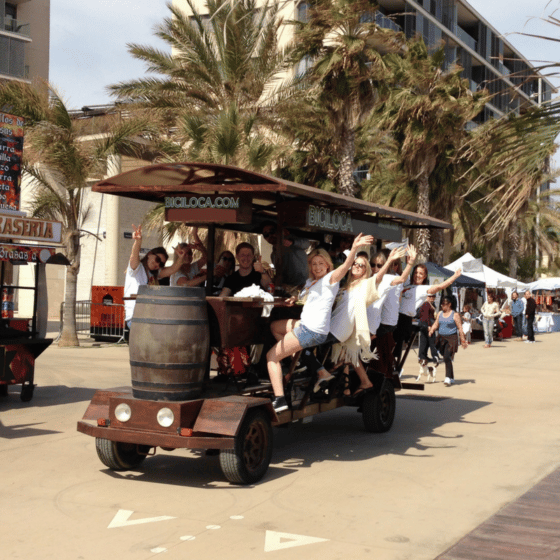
(455, 457)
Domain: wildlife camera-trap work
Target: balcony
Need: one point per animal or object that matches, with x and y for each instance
(15, 26)
(465, 37)
(381, 20)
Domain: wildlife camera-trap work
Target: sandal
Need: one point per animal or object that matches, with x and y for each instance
(360, 391)
(322, 383)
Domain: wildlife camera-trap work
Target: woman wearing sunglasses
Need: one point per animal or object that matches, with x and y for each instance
(141, 271)
(349, 320)
(223, 268)
(184, 272)
(313, 327)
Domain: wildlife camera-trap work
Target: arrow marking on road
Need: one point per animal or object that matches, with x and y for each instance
(122, 517)
(278, 541)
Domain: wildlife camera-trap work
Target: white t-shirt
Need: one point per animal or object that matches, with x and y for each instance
(180, 274)
(342, 318)
(374, 311)
(413, 296)
(132, 281)
(391, 304)
(316, 313)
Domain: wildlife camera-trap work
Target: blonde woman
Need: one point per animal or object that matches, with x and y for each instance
(349, 319)
(312, 328)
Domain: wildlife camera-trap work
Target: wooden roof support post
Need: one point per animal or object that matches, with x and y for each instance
(210, 249)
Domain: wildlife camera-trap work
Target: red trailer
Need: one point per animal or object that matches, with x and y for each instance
(175, 400)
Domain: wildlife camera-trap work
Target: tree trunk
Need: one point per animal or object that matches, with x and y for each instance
(423, 237)
(513, 247)
(346, 173)
(69, 336)
(438, 246)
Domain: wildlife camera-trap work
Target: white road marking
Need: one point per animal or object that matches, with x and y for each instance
(122, 517)
(213, 527)
(237, 517)
(273, 540)
(187, 538)
(158, 549)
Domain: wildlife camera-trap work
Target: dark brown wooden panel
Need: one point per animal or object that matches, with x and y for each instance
(528, 528)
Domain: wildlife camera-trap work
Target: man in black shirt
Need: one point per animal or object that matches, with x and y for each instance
(530, 310)
(250, 272)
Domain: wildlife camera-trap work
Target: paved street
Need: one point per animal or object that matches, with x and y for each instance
(453, 458)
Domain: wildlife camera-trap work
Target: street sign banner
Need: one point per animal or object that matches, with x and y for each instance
(11, 152)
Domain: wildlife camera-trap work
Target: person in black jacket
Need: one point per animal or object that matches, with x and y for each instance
(530, 310)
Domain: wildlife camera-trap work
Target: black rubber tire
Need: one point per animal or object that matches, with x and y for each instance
(3, 389)
(120, 456)
(378, 408)
(248, 461)
(26, 392)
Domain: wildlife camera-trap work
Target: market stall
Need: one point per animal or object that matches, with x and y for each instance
(22, 339)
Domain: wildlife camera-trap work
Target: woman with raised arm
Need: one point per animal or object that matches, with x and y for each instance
(313, 327)
(413, 296)
(140, 272)
(184, 272)
(349, 320)
(383, 315)
(448, 323)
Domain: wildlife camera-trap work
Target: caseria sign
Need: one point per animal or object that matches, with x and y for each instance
(208, 208)
(17, 227)
(321, 217)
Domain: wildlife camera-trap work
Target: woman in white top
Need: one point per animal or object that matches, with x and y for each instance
(490, 310)
(413, 296)
(349, 319)
(184, 272)
(383, 315)
(140, 272)
(313, 326)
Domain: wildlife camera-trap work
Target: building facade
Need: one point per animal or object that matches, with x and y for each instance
(24, 39)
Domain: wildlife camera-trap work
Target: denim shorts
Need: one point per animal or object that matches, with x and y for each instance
(308, 338)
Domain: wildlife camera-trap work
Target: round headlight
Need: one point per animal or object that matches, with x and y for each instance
(123, 412)
(165, 417)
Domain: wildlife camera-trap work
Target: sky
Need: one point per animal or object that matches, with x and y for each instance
(88, 48)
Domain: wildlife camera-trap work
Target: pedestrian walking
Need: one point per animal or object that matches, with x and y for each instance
(448, 325)
(490, 310)
(517, 308)
(530, 311)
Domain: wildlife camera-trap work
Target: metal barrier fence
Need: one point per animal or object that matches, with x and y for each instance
(97, 320)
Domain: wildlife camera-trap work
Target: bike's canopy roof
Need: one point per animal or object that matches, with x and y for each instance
(205, 193)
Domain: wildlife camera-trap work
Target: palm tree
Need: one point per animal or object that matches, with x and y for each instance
(212, 90)
(342, 46)
(427, 110)
(60, 163)
(507, 163)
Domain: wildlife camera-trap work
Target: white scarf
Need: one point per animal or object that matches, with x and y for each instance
(357, 346)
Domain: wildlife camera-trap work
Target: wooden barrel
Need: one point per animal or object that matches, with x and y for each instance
(169, 343)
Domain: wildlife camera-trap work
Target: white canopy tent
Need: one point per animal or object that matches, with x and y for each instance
(547, 284)
(475, 269)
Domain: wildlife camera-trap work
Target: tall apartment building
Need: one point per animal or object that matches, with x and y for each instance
(488, 60)
(24, 39)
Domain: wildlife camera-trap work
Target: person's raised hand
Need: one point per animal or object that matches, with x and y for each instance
(137, 232)
(411, 254)
(258, 265)
(397, 253)
(362, 239)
